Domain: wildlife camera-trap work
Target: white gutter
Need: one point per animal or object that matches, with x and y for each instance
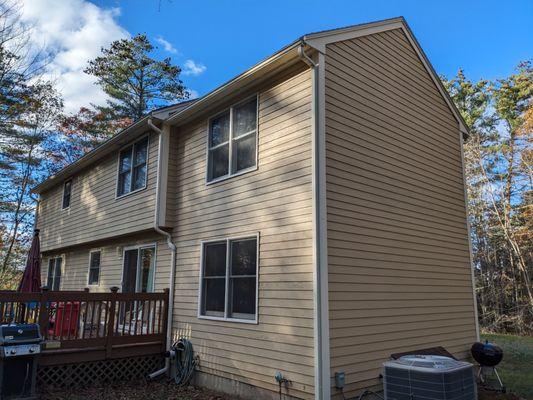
(170, 245)
(321, 320)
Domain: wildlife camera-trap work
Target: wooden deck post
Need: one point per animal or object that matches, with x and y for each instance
(43, 312)
(110, 329)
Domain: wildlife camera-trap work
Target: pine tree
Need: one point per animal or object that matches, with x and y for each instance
(498, 158)
(134, 81)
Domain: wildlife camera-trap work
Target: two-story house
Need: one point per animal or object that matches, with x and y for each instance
(309, 216)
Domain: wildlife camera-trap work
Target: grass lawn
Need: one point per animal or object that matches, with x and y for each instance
(516, 368)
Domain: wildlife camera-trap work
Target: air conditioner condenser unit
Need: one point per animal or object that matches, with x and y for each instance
(425, 377)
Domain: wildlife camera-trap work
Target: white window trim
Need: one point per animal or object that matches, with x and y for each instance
(230, 142)
(138, 247)
(201, 277)
(99, 268)
(63, 208)
(132, 144)
(63, 259)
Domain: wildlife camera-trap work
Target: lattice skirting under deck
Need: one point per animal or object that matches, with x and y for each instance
(98, 372)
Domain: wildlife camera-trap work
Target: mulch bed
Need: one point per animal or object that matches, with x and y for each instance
(142, 390)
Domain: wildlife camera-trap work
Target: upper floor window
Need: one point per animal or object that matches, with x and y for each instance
(228, 287)
(132, 169)
(54, 273)
(67, 189)
(94, 267)
(232, 142)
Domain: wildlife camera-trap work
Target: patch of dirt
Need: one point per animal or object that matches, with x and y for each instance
(141, 390)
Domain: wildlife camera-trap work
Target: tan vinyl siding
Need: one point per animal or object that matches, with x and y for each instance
(76, 263)
(275, 200)
(172, 179)
(95, 213)
(398, 255)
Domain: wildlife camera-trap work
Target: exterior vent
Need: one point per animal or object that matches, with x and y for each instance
(423, 377)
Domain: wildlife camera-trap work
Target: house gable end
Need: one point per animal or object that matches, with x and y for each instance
(320, 40)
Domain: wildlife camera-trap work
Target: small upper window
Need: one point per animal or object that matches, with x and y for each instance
(232, 141)
(54, 273)
(67, 189)
(132, 169)
(94, 268)
(229, 265)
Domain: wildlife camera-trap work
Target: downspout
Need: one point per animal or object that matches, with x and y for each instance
(170, 245)
(321, 381)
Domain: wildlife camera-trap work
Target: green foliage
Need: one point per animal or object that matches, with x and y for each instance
(22, 150)
(82, 132)
(135, 82)
(472, 99)
(499, 179)
(512, 96)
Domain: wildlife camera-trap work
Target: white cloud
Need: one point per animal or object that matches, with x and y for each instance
(192, 68)
(73, 31)
(166, 45)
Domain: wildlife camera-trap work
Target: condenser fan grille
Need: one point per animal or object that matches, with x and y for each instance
(428, 378)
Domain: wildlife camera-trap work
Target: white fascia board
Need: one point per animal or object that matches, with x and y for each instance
(320, 40)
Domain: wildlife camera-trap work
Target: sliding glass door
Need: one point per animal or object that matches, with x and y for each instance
(139, 268)
(137, 276)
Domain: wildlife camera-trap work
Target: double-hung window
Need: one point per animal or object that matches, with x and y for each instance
(132, 169)
(67, 189)
(232, 142)
(228, 287)
(54, 273)
(94, 267)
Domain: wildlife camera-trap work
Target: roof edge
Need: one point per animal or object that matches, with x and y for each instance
(316, 40)
(463, 127)
(352, 28)
(205, 100)
(319, 40)
(92, 155)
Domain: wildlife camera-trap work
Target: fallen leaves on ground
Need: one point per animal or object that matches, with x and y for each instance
(139, 390)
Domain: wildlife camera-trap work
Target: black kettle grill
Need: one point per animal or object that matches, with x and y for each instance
(488, 356)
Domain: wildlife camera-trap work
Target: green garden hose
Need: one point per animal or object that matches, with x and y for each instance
(185, 361)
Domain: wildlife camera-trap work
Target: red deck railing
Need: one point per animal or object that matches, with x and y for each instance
(85, 321)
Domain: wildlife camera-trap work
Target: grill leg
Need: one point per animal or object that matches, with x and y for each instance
(499, 380)
(480, 375)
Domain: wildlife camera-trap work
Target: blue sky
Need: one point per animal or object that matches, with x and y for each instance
(215, 40)
(486, 38)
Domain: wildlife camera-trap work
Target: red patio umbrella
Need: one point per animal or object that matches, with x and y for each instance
(31, 279)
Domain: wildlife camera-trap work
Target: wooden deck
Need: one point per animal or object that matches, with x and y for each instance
(83, 326)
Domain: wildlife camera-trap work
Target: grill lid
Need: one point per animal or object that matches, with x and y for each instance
(19, 333)
(487, 354)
